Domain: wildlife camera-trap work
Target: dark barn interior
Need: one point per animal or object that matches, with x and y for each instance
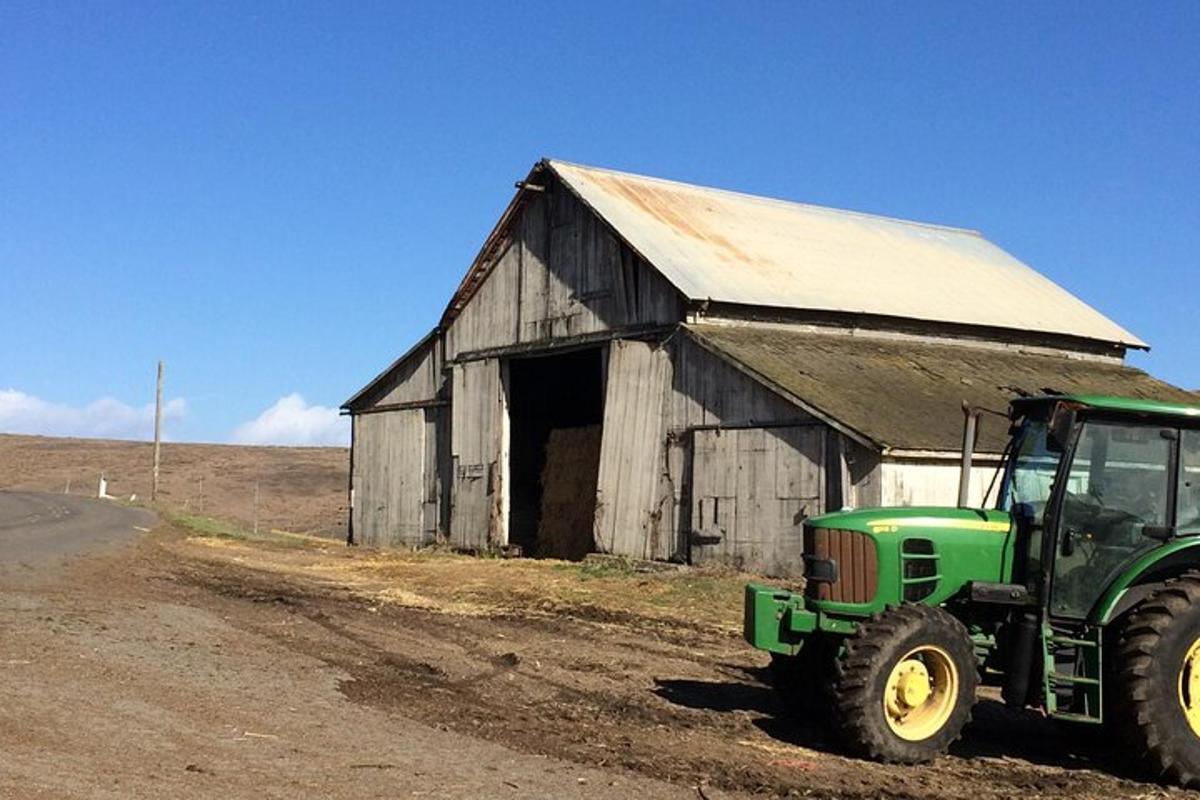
(556, 406)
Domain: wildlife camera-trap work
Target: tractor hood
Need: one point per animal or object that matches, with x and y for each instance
(931, 519)
(862, 561)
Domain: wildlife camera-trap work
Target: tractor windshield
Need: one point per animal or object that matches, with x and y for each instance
(1028, 481)
(1030, 474)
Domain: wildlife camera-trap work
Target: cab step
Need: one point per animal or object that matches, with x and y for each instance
(1072, 673)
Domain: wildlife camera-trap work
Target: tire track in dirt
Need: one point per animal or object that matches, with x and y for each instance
(666, 701)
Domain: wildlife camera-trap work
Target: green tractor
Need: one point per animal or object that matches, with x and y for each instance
(1079, 594)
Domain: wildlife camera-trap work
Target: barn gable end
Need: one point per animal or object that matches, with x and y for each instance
(557, 273)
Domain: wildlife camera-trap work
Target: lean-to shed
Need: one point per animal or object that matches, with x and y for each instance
(664, 371)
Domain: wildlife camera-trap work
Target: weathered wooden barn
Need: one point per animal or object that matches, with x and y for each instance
(664, 371)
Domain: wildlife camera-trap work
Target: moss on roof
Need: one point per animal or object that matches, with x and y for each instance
(908, 395)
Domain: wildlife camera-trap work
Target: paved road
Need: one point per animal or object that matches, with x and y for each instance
(42, 531)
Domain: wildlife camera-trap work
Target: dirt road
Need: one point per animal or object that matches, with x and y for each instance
(121, 676)
(185, 666)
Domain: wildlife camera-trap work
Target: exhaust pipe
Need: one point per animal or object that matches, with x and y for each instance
(970, 429)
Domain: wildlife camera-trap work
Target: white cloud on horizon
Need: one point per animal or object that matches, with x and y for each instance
(292, 421)
(105, 418)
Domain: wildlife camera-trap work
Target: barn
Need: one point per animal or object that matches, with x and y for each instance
(664, 371)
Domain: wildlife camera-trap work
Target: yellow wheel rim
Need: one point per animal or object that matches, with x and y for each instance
(1189, 686)
(921, 692)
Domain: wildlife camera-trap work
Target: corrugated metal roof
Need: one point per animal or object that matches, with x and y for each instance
(736, 248)
(907, 394)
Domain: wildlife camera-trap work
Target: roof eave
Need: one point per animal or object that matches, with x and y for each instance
(399, 362)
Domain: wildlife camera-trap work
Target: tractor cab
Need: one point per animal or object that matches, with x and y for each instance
(1104, 483)
(1078, 592)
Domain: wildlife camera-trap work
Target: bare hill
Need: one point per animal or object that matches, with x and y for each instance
(299, 488)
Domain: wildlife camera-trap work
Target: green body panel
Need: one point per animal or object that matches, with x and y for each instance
(778, 621)
(1102, 613)
(970, 545)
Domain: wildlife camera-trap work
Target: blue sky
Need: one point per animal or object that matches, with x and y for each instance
(278, 198)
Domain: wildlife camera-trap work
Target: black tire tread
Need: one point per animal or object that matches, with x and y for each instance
(1150, 737)
(856, 706)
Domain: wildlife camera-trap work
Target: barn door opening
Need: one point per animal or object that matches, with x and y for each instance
(555, 406)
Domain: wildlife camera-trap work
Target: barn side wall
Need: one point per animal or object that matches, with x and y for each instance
(561, 273)
(397, 479)
(934, 482)
(707, 391)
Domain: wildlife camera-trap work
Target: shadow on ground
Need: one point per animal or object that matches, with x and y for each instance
(995, 732)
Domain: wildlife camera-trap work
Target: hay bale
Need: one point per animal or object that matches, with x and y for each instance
(569, 493)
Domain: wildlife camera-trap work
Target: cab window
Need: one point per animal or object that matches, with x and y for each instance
(1118, 487)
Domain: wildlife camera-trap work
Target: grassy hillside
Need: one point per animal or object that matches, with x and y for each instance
(300, 489)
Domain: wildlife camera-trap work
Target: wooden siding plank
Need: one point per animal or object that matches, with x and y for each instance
(390, 470)
(751, 488)
(475, 453)
(632, 451)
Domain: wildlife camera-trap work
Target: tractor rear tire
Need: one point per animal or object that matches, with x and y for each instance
(904, 685)
(1156, 691)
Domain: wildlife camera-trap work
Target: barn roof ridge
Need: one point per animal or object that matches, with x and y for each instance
(765, 199)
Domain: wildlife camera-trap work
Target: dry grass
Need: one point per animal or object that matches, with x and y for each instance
(472, 586)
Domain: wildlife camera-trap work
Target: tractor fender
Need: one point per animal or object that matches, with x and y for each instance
(1147, 573)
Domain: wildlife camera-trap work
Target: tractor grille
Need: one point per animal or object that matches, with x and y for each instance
(856, 560)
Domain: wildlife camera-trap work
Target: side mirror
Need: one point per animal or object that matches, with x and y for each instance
(1160, 532)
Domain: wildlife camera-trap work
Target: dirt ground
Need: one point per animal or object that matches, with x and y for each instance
(631, 683)
(299, 488)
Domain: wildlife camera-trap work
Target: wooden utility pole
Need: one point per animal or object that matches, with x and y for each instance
(157, 431)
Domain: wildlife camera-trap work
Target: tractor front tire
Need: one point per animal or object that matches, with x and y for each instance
(904, 685)
(1156, 692)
